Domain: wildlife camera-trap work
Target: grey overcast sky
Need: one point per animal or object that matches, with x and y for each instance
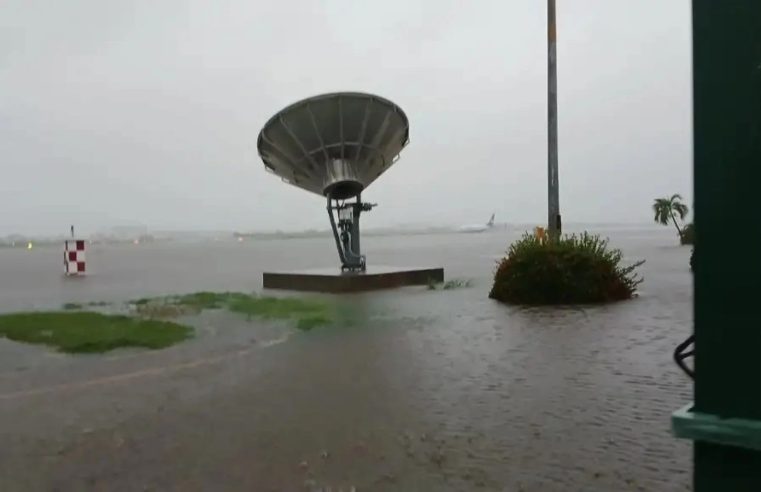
(130, 112)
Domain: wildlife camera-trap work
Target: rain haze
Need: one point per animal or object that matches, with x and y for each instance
(205, 326)
(144, 112)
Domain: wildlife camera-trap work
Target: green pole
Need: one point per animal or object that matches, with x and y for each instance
(727, 173)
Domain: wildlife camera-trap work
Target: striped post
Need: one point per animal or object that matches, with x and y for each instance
(74, 257)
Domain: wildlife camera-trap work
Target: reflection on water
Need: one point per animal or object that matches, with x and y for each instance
(410, 390)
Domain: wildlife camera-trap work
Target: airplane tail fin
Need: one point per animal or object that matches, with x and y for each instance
(491, 221)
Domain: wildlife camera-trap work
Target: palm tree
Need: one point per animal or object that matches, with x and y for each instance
(668, 208)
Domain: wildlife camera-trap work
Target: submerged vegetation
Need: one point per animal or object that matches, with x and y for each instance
(455, 283)
(306, 313)
(76, 330)
(570, 270)
(90, 332)
(75, 306)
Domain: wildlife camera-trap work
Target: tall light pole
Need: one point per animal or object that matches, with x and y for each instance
(553, 199)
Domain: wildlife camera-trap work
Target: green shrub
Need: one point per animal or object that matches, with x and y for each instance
(688, 234)
(571, 270)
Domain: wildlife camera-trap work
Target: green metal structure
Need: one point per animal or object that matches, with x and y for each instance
(725, 420)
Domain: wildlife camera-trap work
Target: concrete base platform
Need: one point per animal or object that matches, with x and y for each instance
(333, 280)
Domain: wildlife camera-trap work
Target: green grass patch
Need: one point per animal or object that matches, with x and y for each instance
(88, 332)
(307, 313)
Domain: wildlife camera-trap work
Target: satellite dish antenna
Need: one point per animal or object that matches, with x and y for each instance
(336, 145)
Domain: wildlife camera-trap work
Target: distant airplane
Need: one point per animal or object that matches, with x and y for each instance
(478, 227)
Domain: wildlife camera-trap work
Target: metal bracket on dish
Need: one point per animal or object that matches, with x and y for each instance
(346, 231)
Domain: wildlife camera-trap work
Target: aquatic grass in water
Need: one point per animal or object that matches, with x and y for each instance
(274, 307)
(208, 300)
(306, 323)
(455, 283)
(74, 330)
(98, 303)
(178, 305)
(87, 332)
(75, 306)
(160, 309)
(307, 313)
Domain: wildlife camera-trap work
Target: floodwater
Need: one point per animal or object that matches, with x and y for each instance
(410, 390)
